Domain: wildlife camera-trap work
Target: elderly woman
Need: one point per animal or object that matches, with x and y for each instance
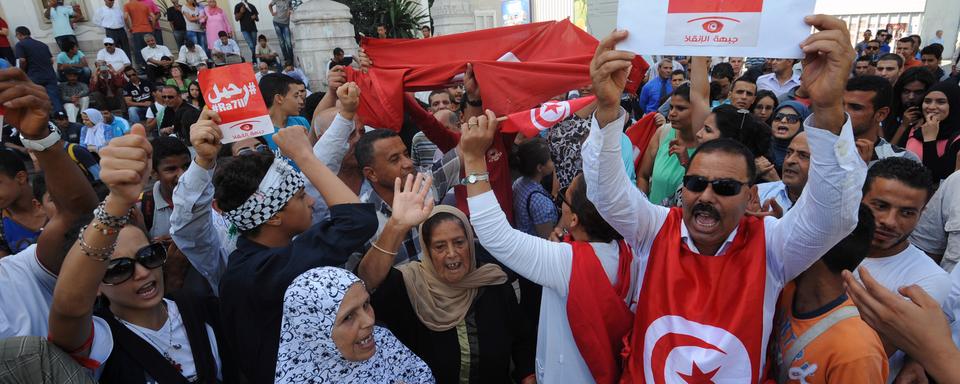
(328, 335)
(463, 319)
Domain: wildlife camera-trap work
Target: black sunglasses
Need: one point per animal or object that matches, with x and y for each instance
(722, 187)
(168, 97)
(561, 199)
(261, 148)
(107, 45)
(791, 118)
(121, 269)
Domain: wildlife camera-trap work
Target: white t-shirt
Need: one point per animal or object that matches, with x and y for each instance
(172, 334)
(909, 267)
(26, 292)
(117, 60)
(156, 52)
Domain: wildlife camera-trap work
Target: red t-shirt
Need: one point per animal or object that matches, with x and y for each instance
(4, 41)
(139, 16)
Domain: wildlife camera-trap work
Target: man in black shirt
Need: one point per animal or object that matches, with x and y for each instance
(248, 16)
(34, 58)
(70, 132)
(177, 22)
(137, 96)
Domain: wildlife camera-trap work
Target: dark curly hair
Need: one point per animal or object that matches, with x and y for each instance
(742, 127)
(906, 171)
(529, 155)
(238, 179)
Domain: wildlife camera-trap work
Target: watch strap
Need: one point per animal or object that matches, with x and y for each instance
(44, 143)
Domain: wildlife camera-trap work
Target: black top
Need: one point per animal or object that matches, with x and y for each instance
(39, 67)
(494, 325)
(71, 133)
(138, 92)
(252, 288)
(184, 117)
(175, 17)
(247, 24)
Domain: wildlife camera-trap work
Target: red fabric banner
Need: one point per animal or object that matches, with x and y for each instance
(518, 67)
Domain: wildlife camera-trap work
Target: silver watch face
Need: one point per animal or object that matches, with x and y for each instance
(471, 179)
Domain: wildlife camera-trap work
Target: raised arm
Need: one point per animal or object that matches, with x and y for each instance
(541, 261)
(29, 110)
(336, 77)
(410, 208)
(699, 97)
(441, 136)
(293, 142)
(608, 187)
(192, 221)
(126, 168)
(827, 209)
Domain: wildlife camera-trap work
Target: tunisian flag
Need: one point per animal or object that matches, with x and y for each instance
(531, 123)
(640, 134)
(517, 67)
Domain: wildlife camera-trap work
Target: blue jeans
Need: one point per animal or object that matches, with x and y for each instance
(136, 114)
(286, 46)
(200, 39)
(138, 45)
(251, 38)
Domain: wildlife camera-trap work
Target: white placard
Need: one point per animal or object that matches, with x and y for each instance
(747, 28)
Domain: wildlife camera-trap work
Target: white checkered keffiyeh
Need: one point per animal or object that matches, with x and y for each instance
(280, 183)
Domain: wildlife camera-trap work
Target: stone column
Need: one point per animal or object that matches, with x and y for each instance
(319, 26)
(452, 16)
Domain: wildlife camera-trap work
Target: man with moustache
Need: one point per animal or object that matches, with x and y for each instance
(710, 276)
(796, 166)
(897, 190)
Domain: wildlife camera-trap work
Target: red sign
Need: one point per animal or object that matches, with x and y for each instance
(232, 92)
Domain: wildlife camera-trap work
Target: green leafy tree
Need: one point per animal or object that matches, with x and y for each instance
(401, 17)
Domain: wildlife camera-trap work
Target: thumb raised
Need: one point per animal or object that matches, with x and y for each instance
(138, 130)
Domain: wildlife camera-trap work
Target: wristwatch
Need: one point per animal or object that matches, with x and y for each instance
(474, 178)
(44, 143)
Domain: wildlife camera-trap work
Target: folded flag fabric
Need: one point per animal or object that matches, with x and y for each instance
(517, 67)
(531, 123)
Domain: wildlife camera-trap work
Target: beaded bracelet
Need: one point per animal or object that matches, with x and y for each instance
(108, 222)
(98, 254)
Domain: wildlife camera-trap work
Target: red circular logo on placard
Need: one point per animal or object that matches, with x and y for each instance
(713, 26)
(246, 127)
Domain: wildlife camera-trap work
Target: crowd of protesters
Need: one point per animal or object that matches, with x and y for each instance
(788, 221)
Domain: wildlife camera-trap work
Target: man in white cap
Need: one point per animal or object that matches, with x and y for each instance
(116, 58)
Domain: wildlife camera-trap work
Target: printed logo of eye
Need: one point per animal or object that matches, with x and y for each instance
(246, 127)
(713, 24)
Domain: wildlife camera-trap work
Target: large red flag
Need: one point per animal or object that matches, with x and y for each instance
(640, 134)
(517, 67)
(531, 123)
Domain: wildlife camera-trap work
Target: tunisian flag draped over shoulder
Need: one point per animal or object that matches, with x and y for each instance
(518, 67)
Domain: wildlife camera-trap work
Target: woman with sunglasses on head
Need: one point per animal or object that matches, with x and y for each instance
(726, 121)
(138, 336)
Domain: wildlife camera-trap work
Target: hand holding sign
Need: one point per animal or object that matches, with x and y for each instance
(826, 67)
(608, 72)
(231, 91)
(715, 28)
(205, 136)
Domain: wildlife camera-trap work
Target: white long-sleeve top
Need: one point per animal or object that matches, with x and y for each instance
(548, 264)
(825, 213)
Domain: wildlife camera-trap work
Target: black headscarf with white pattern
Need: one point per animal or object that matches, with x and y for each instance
(307, 351)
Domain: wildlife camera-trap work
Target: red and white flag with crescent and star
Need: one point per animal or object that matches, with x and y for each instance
(531, 123)
(726, 23)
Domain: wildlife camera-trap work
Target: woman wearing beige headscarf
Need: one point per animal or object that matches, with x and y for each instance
(463, 319)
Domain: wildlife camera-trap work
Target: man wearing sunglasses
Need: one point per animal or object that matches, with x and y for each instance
(27, 279)
(723, 270)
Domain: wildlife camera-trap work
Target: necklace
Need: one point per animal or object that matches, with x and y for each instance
(170, 344)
